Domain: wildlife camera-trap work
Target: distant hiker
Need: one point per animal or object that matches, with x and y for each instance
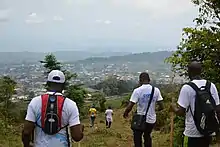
(92, 114)
(199, 100)
(108, 117)
(144, 119)
(50, 115)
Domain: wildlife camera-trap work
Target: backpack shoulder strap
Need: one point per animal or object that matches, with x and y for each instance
(44, 101)
(193, 85)
(151, 98)
(60, 103)
(208, 85)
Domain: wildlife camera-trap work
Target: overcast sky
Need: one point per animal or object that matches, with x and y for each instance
(51, 25)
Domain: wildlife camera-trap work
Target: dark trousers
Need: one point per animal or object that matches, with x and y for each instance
(108, 123)
(147, 136)
(199, 142)
(92, 121)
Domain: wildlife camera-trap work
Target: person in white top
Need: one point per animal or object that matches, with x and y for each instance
(69, 113)
(187, 99)
(141, 96)
(108, 117)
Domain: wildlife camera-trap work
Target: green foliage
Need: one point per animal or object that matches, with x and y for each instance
(114, 103)
(74, 92)
(50, 63)
(179, 125)
(113, 86)
(100, 99)
(125, 100)
(7, 89)
(77, 94)
(201, 43)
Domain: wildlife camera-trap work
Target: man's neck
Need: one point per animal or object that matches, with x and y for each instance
(53, 90)
(145, 83)
(198, 77)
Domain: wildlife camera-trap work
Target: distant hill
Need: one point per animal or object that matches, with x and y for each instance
(34, 57)
(150, 60)
(138, 57)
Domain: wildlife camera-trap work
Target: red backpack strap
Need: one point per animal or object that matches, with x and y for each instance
(60, 102)
(44, 99)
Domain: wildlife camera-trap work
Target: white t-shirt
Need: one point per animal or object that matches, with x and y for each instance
(70, 115)
(141, 96)
(109, 113)
(187, 98)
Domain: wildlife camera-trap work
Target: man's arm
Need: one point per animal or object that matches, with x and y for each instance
(27, 132)
(133, 100)
(160, 104)
(76, 128)
(77, 132)
(183, 101)
(29, 125)
(178, 110)
(215, 94)
(160, 101)
(128, 109)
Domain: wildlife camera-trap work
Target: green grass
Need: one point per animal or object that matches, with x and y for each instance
(114, 103)
(120, 135)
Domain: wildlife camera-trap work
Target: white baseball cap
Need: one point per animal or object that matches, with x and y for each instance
(56, 76)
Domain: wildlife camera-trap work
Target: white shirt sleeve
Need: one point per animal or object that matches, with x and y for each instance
(183, 99)
(30, 112)
(159, 97)
(73, 114)
(215, 95)
(134, 96)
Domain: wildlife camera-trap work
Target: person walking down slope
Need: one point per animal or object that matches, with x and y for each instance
(92, 114)
(108, 117)
(146, 96)
(50, 115)
(199, 101)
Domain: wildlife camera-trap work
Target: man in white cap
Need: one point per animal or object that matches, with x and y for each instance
(50, 115)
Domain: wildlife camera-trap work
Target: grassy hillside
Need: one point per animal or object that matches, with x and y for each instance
(120, 135)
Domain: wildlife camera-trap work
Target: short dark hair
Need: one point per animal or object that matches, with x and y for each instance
(144, 76)
(195, 68)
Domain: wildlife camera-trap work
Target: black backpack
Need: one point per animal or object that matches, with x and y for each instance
(205, 115)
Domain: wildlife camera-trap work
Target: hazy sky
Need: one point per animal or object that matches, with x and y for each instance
(49, 25)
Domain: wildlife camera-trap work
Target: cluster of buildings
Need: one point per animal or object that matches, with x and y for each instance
(31, 77)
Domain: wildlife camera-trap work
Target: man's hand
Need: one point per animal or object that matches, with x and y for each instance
(128, 109)
(173, 107)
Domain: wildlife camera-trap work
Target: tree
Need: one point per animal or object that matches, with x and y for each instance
(7, 89)
(201, 43)
(75, 92)
(113, 86)
(99, 98)
(50, 63)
